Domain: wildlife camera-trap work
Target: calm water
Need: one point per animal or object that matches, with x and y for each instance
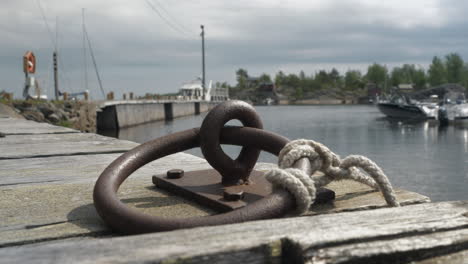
(420, 156)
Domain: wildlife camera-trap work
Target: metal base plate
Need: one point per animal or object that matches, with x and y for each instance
(205, 188)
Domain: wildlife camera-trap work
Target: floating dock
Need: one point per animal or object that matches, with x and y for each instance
(47, 214)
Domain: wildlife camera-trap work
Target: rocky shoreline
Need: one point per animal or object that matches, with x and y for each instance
(80, 115)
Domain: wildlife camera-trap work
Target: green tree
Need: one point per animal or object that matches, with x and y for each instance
(264, 78)
(437, 73)
(377, 74)
(454, 65)
(335, 76)
(292, 80)
(419, 79)
(353, 80)
(322, 79)
(280, 78)
(241, 77)
(409, 71)
(397, 76)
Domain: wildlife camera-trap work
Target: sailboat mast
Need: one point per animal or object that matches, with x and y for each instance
(84, 51)
(55, 57)
(203, 60)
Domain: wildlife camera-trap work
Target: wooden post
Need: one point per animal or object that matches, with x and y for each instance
(124, 96)
(131, 95)
(65, 96)
(86, 96)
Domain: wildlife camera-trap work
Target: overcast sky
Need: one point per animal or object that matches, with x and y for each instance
(137, 50)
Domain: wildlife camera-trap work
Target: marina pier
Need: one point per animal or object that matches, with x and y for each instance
(112, 115)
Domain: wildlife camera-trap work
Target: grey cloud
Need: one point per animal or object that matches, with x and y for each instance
(136, 50)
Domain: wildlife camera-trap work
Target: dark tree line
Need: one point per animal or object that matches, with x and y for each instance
(449, 69)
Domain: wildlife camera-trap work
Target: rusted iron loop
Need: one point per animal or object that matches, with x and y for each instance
(130, 221)
(232, 171)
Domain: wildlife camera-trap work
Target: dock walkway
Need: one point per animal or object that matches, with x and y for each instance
(47, 215)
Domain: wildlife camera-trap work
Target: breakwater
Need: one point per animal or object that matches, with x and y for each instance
(118, 114)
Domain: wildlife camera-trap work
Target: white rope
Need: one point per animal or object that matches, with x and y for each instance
(303, 187)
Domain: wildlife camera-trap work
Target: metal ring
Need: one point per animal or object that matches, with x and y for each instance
(231, 170)
(130, 221)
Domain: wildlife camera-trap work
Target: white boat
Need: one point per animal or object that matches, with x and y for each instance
(402, 107)
(193, 91)
(453, 109)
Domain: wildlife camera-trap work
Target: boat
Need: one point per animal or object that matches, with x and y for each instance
(402, 107)
(453, 109)
(193, 91)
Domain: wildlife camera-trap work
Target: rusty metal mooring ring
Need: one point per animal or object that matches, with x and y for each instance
(130, 221)
(232, 171)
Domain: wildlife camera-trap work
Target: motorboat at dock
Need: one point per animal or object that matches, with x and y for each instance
(402, 107)
(453, 109)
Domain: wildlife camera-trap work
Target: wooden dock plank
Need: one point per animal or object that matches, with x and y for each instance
(15, 126)
(372, 236)
(460, 257)
(388, 250)
(46, 185)
(59, 169)
(40, 212)
(67, 210)
(44, 145)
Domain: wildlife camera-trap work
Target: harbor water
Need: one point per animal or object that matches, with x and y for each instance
(418, 156)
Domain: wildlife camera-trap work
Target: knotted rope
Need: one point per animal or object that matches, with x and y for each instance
(303, 186)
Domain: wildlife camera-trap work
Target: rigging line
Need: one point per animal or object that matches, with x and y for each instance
(164, 19)
(94, 62)
(51, 36)
(181, 26)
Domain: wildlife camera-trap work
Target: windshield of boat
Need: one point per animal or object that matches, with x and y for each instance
(454, 98)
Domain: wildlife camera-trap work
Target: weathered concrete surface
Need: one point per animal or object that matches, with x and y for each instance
(390, 235)
(15, 126)
(115, 114)
(182, 109)
(135, 114)
(44, 145)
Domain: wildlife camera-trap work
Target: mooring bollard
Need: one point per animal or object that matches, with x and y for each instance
(242, 195)
(233, 187)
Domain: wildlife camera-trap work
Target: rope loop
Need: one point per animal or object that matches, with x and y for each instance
(303, 187)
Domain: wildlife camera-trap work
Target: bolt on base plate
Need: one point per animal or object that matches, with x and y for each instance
(205, 188)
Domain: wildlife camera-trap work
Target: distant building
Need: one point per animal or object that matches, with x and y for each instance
(373, 91)
(405, 87)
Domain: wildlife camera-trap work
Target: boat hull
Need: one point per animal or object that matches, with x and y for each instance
(401, 111)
